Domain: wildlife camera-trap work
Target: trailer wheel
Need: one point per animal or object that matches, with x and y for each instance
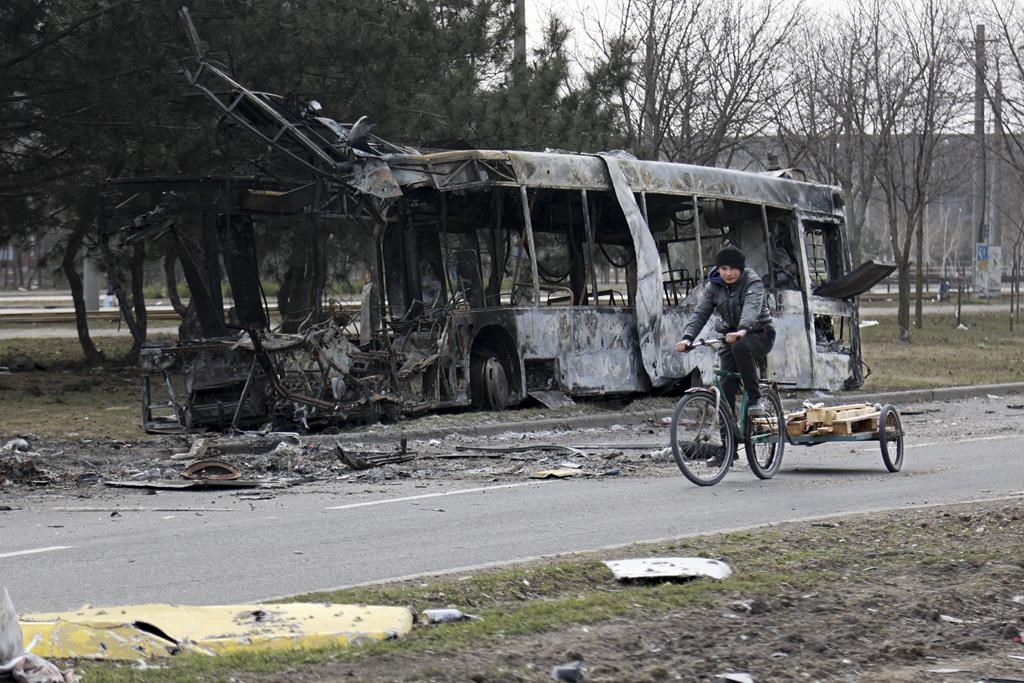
(890, 438)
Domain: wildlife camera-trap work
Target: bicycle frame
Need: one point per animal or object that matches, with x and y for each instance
(737, 421)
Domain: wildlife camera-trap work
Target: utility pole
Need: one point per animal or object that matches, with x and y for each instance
(996, 213)
(978, 200)
(519, 17)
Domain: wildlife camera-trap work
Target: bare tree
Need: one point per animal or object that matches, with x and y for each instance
(923, 94)
(695, 77)
(837, 121)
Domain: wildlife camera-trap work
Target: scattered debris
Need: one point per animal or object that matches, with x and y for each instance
(552, 399)
(20, 362)
(752, 606)
(737, 677)
(172, 484)
(16, 661)
(444, 616)
(523, 449)
(20, 470)
(555, 474)
(669, 568)
(10, 633)
(212, 470)
(364, 460)
(571, 672)
(134, 632)
(16, 445)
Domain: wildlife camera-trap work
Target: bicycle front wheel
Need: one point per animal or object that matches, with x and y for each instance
(702, 440)
(765, 437)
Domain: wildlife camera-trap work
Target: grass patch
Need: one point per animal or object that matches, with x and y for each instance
(69, 398)
(939, 354)
(782, 565)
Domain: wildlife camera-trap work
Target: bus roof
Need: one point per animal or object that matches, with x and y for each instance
(463, 169)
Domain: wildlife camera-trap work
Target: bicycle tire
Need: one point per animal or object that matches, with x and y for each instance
(890, 431)
(764, 454)
(703, 443)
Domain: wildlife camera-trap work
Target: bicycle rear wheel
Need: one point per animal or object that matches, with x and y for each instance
(764, 438)
(702, 440)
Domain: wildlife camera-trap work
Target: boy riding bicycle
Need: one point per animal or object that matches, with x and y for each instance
(738, 295)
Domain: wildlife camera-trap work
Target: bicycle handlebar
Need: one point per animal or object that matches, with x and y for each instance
(706, 342)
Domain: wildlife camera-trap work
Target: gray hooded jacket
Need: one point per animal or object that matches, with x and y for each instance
(742, 305)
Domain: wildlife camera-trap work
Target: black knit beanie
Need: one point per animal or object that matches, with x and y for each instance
(731, 256)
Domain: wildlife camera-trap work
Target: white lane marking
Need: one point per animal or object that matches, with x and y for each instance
(33, 551)
(429, 495)
(957, 443)
(950, 443)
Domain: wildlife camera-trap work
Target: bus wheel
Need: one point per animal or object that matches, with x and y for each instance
(489, 382)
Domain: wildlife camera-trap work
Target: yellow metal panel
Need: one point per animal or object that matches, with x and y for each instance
(147, 631)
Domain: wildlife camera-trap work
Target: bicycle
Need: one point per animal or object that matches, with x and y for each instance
(704, 431)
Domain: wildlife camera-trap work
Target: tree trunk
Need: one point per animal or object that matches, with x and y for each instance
(854, 223)
(19, 275)
(138, 296)
(919, 279)
(92, 354)
(903, 316)
(297, 295)
(172, 281)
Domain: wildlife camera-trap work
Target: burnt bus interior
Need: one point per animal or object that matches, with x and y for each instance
(429, 333)
(475, 244)
(471, 243)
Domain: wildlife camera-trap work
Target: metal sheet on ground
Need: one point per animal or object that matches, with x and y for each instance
(132, 632)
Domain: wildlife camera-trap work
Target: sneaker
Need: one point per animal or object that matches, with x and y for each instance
(756, 409)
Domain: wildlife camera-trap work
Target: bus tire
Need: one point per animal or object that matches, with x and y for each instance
(488, 381)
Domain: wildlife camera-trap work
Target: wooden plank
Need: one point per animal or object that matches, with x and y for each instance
(858, 416)
(825, 415)
(856, 425)
(854, 414)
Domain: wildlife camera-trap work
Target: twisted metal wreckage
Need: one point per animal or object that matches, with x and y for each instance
(463, 306)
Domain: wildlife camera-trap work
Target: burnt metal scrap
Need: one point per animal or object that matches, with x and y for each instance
(493, 275)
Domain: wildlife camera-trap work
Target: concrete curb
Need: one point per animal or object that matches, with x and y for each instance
(395, 432)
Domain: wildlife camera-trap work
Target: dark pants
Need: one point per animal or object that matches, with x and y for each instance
(743, 357)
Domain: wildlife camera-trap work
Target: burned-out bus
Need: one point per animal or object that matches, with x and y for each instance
(496, 276)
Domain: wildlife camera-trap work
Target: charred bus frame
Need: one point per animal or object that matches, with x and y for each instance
(495, 274)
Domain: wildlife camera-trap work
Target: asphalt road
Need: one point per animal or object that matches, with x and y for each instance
(212, 547)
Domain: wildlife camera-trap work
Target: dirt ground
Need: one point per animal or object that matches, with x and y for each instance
(931, 594)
